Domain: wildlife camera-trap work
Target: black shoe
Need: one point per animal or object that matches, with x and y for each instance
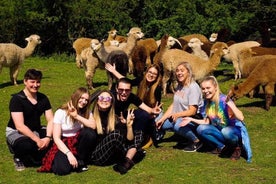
(19, 166)
(139, 156)
(123, 167)
(193, 147)
(81, 166)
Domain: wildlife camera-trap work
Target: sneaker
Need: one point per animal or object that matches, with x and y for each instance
(123, 167)
(19, 166)
(236, 154)
(193, 147)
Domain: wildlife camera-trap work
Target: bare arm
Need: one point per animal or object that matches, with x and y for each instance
(62, 147)
(165, 116)
(192, 109)
(112, 69)
(237, 113)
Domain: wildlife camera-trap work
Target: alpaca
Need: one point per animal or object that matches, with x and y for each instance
(79, 45)
(13, 56)
(166, 43)
(89, 62)
(171, 58)
(206, 47)
(103, 52)
(232, 56)
(150, 46)
(111, 36)
(262, 75)
(195, 44)
(259, 51)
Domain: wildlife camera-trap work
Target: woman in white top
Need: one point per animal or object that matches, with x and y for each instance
(73, 130)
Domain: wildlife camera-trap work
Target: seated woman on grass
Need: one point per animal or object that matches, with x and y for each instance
(222, 126)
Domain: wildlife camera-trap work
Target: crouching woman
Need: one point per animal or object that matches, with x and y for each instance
(114, 134)
(223, 127)
(73, 131)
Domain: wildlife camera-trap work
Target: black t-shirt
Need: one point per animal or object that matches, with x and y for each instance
(122, 106)
(31, 113)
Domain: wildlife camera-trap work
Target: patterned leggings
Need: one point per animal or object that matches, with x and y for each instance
(109, 149)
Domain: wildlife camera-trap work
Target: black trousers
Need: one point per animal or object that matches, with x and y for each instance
(85, 146)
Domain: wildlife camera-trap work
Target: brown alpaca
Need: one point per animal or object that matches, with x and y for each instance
(13, 56)
(264, 75)
(79, 45)
(171, 58)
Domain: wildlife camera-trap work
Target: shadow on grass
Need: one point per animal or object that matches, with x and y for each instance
(6, 84)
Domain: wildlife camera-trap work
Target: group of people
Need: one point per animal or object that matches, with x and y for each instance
(101, 128)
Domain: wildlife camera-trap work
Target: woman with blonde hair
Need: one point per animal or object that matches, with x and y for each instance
(114, 134)
(222, 126)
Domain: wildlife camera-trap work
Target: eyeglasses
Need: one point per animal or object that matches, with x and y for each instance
(120, 91)
(102, 98)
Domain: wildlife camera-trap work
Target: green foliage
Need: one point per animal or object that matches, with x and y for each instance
(161, 165)
(59, 22)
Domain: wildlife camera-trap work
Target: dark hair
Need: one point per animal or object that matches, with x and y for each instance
(124, 80)
(33, 74)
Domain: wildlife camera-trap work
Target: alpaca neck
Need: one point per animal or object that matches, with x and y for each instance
(102, 53)
(29, 49)
(131, 43)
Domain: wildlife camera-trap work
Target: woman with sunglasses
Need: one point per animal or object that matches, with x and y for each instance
(114, 134)
(73, 131)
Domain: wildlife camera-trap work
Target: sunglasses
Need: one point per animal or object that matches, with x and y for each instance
(120, 91)
(102, 98)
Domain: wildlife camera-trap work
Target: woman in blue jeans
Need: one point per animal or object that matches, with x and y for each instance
(186, 102)
(222, 125)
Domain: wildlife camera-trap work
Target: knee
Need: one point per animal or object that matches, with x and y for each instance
(201, 128)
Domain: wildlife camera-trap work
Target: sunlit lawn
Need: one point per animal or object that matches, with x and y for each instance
(161, 165)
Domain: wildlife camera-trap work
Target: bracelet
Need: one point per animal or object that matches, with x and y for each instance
(67, 152)
(49, 137)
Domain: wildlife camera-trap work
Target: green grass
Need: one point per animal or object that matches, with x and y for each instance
(162, 165)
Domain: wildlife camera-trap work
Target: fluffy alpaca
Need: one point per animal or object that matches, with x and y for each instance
(111, 36)
(79, 45)
(259, 51)
(262, 74)
(206, 47)
(195, 44)
(171, 58)
(150, 46)
(134, 35)
(166, 43)
(89, 62)
(13, 56)
(235, 49)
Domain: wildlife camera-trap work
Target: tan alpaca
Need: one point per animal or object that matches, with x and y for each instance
(13, 56)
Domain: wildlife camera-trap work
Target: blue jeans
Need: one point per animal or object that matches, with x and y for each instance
(188, 131)
(219, 137)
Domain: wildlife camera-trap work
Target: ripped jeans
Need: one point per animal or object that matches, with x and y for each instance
(219, 137)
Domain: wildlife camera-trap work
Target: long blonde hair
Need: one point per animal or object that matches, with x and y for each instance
(84, 112)
(111, 118)
(216, 96)
(146, 90)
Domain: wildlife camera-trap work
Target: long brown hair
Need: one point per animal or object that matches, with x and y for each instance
(111, 118)
(84, 112)
(146, 90)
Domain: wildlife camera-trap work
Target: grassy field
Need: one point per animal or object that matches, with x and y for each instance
(161, 165)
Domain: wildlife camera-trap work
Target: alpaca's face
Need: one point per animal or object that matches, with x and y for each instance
(195, 43)
(113, 33)
(137, 32)
(172, 41)
(95, 44)
(213, 37)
